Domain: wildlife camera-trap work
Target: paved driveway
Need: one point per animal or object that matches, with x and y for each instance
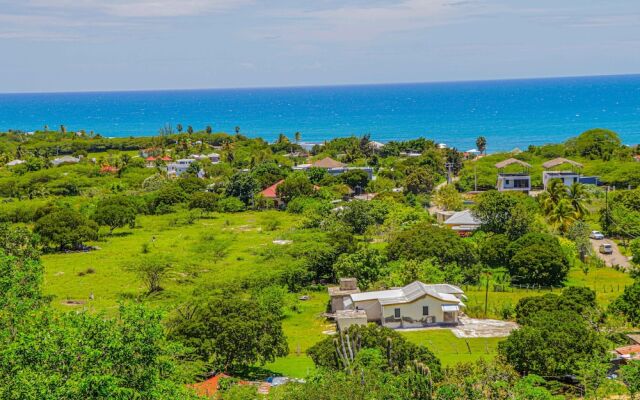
(615, 258)
(483, 328)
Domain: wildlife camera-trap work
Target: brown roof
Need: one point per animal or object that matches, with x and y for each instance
(327, 162)
(559, 161)
(510, 161)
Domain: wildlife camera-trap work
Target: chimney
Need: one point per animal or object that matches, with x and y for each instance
(348, 284)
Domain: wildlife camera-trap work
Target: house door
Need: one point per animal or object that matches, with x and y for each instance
(450, 316)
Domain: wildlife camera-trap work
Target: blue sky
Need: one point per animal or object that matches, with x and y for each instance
(69, 45)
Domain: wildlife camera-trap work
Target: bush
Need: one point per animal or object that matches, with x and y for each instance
(538, 258)
(66, 229)
(230, 205)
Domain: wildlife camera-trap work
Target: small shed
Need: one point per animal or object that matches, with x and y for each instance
(341, 295)
(347, 318)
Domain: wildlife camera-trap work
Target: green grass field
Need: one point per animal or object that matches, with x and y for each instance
(225, 247)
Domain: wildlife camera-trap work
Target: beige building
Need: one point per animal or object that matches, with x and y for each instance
(411, 306)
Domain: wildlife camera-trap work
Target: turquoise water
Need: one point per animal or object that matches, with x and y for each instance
(509, 113)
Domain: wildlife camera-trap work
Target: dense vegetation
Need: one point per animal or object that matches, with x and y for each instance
(205, 275)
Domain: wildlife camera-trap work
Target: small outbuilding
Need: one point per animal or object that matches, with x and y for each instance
(347, 318)
(463, 222)
(340, 295)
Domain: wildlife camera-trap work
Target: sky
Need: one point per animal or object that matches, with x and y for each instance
(86, 45)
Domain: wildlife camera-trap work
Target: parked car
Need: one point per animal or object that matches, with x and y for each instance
(597, 235)
(606, 248)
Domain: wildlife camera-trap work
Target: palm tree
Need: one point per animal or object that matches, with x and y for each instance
(579, 197)
(189, 129)
(179, 128)
(563, 215)
(556, 191)
(297, 136)
(481, 144)
(209, 129)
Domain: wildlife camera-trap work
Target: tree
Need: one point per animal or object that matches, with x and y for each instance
(83, 355)
(297, 137)
(596, 144)
(231, 331)
(634, 246)
(179, 128)
(152, 271)
(552, 344)
(627, 304)
(360, 214)
(506, 213)
(367, 265)
(424, 241)
(420, 180)
(481, 144)
(631, 377)
(205, 201)
(295, 185)
(579, 232)
(243, 186)
(115, 212)
(268, 173)
(448, 198)
(399, 353)
(355, 178)
(189, 129)
(563, 215)
(493, 251)
(208, 129)
(538, 259)
(579, 197)
(66, 229)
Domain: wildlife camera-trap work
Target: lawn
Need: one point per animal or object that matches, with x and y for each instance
(226, 247)
(451, 349)
(221, 248)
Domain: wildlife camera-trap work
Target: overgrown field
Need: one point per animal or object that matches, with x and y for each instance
(227, 247)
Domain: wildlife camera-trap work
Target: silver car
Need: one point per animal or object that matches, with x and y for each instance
(597, 235)
(606, 248)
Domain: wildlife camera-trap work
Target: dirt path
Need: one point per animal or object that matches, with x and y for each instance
(615, 258)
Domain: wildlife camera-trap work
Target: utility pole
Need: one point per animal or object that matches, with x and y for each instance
(449, 167)
(475, 176)
(486, 296)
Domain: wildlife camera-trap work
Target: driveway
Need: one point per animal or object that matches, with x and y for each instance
(483, 328)
(615, 258)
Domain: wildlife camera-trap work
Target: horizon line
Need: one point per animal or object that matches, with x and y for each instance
(303, 86)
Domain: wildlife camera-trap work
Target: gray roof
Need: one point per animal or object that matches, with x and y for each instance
(65, 159)
(462, 218)
(510, 161)
(410, 293)
(559, 161)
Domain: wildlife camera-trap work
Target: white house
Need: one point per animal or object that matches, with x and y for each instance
(333, 167)
(568, 177)
(463, 222)
(411, 306)
(14, 163)
(179, 167)
(213, 157)
(65, 160)
(513, 181)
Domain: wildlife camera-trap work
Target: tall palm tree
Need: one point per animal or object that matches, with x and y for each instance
(579, 197)
(297, 136)
(556, 191)
(563, 215)
(481, 144)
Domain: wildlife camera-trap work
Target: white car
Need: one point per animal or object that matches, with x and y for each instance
(597, 235)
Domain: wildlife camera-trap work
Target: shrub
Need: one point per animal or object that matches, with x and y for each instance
(230, 204)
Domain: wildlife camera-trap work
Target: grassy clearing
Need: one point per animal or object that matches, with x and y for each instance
(225, 247)
(221, 248)
(451, 349)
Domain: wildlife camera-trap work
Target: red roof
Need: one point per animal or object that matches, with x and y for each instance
(166, 158)
(628, 350)
(108, 168)
(271, 191)
(150, 158)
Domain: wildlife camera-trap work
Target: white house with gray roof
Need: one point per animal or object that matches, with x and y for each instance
(411, 306)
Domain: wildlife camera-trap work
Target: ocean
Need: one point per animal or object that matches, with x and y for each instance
(509, 113)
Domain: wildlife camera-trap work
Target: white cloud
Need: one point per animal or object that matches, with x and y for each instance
(137, 8)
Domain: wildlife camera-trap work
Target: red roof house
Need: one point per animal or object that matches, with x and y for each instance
(108, 169)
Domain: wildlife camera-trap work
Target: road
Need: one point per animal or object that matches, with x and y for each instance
(615, 258)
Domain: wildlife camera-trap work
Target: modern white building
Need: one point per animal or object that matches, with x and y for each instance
(179, 167)
(213, 157)
(513, 181)
(411, 306)
(567, 176)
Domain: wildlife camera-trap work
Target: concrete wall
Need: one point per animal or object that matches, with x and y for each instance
(411, 313)
(371, 307)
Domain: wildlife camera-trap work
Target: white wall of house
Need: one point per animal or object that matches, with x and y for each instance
(567, 178)
(411, 314)
(371, 307)
(514, 182)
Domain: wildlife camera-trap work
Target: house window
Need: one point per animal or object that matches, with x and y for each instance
(396, 313)
(425, 310)
(507, 181)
